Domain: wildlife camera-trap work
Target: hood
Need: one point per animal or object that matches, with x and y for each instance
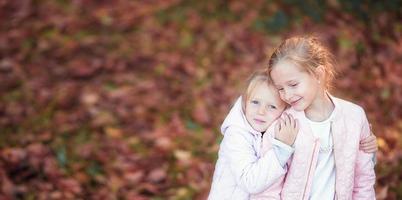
(237, 118)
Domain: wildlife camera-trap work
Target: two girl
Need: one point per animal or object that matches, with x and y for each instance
(324, 160)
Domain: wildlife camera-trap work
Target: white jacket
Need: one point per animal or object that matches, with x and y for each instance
(241, 171)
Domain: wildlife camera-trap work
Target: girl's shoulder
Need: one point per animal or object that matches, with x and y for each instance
(347, 106)
(348, 110)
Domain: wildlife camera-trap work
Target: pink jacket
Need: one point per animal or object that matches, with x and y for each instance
(241, 170)
(355, 176)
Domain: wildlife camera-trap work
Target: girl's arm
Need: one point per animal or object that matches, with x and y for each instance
(281, 136)
(364, 169)
(253, 174)
(286, 130)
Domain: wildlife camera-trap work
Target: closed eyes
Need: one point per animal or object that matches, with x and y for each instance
(255, 102)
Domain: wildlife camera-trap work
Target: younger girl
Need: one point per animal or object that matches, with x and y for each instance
(241, 169)
(327, 162)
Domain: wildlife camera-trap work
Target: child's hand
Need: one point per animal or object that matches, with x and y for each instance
(369, 144)
(286, 129)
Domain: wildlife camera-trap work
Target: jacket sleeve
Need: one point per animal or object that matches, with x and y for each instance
(364, 179)
(253, 174)
(282, 151)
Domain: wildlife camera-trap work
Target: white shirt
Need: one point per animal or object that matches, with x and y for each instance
(323, 186)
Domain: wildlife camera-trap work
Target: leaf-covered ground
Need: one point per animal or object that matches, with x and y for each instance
(124, 99)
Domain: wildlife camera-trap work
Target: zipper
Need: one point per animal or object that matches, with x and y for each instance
(333, 141)
(309, 169)
(261, 141)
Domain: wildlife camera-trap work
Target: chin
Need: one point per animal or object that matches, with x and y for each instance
(259, 129)
(299, 107)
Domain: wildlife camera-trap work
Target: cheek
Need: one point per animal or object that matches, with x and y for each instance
(307, 90)
(274, 114)
(281, 95)
(283, 98)
(250, 110)
(278, 114)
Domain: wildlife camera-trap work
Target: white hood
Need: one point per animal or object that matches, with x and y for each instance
(236, 117)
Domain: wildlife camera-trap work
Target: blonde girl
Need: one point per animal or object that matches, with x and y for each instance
(327, 162)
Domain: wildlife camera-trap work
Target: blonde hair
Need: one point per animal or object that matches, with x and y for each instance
(306, 52)
(257, 78)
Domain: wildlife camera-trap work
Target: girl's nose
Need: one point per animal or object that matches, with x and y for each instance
(261, 110)
(288, 95)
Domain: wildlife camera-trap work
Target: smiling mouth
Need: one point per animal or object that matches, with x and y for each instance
(259, 121)
(294, 102)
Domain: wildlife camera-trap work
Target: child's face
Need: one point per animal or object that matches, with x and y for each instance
(263, 106)
(296, 87)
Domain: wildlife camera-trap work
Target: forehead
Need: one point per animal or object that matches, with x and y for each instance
(264, 91)
(285, 71)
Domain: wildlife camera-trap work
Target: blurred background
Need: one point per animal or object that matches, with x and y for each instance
(124, 99)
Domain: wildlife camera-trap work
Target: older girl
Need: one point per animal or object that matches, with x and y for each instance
(327, 162)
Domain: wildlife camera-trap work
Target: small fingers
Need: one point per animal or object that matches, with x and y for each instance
(284, 117)
(277, 127)
(365, 140)
(292, 121)
(281, 124)
(365, 145)
(289, 119)
(369, 139)
(369, 147)
(371, 128)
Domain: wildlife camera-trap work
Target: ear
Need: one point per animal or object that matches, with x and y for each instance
(320, 73)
